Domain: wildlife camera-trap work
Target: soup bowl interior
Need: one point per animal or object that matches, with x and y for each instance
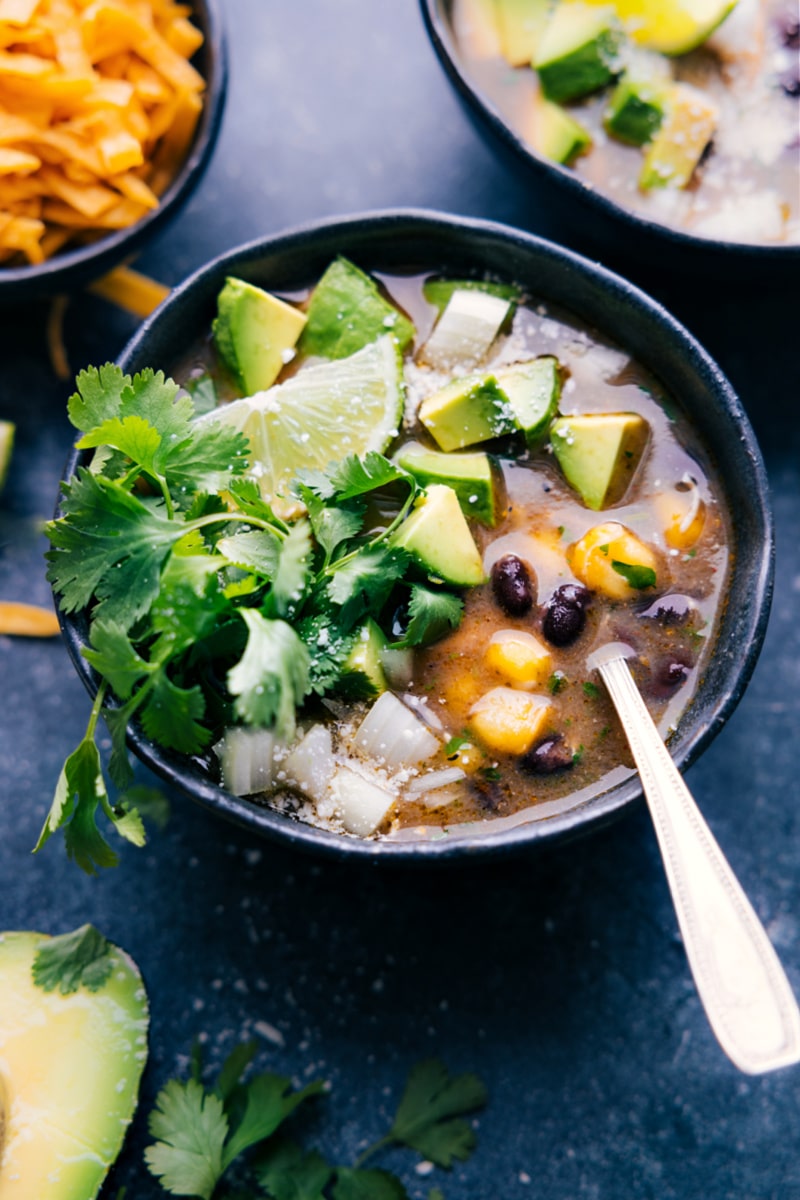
(426, 242)
(588, 218)
(72, 269)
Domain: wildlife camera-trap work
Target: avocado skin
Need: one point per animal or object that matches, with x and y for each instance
(578, 53)
(347, 312)
(71, 1071)
(471, 476)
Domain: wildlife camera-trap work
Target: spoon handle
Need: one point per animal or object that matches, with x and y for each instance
(743, 988)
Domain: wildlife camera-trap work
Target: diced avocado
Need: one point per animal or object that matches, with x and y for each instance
(678, 146)
(255, 334)
(599, 453)
(578, 52)
(670, 26)
(635, 110)
(363, 671)
(70, 1063)
(520, 24)
(557, 135)
(466, 411)
(533, 390)
(466, 329)
(437, 537)
(347, 312)
(438, 291)
(469, 475)
(7, 431)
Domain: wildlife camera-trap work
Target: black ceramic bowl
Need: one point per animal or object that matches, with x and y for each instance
(434, 242)
(72, 269)
(587, 218)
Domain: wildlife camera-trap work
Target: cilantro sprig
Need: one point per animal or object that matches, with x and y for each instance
(205, 607)
(200, 1133)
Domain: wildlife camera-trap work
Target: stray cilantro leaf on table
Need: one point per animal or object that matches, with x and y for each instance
(428, 1116)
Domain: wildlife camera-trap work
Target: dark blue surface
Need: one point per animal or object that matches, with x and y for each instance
(561, 979)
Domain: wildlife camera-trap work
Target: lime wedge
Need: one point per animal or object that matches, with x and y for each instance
(672, 26)
(7, 431)
(319, 416)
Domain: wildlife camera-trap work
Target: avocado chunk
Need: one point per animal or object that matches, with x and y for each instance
(557, 135)
(348, 312)
(439, 291)
(466, 411)
(7, 431)
(437, 537)
(255, 334)
(469, 475)
(533, 390)
(636, 110)
(466, 329)
(579, 51)
(677, 148)
(70, 1061)
(599, 453)
(363, 672)
(520, 24)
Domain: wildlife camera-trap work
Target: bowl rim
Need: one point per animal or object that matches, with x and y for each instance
(82, 264)
(441, 35)
(382, 226)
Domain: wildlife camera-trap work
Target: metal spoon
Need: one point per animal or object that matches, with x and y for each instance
(741, 983)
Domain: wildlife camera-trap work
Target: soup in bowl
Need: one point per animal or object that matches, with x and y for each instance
(411, 472)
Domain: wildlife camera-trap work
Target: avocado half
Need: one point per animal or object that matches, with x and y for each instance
(70, 1067)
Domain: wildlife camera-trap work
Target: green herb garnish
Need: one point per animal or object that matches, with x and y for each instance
(591, 689)
(637, 576)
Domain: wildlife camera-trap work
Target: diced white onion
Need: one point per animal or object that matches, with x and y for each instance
(426, 714)
(435, 779)
(361, 804)
(246, 759)
(465, 330)
(392, 736)
(310, 765)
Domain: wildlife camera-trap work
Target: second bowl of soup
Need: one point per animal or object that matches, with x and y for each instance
(417, 469)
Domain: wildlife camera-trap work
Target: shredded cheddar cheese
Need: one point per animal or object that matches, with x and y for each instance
(98, 106)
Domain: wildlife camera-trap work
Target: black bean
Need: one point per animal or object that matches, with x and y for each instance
(548, 756)
(513, 585)
(789, 30)
(672, 609)
(790, 82)
(668, 675)
(565, 616)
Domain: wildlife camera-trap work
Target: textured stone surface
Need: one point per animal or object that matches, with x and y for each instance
(560, 978)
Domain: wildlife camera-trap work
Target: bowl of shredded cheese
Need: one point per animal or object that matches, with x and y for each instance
(108, 114)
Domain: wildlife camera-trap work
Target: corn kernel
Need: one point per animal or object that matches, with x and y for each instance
(592, 559)
(519, 657)
(682, 515)
(508, 720)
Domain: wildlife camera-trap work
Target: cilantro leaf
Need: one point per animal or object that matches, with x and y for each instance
(171, 715)
(293, 570)
(79, 790)
(271, 677)
(113, 655)
(98, 397)
(433, 614)
(247, 498)
(328, 649)
(355, 476)
(636, 575)
(362, 584)
(188, 603)
(234, 1067)
(254, 550)
(149, 802)
(111, 545)
(190, 1127)
(355, 1183)
(427, 1116)
(288, 1173)
(332, 524)
(204, 394)
(269, 1100)
(81, 958)
(590, 690)
(206, 460)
